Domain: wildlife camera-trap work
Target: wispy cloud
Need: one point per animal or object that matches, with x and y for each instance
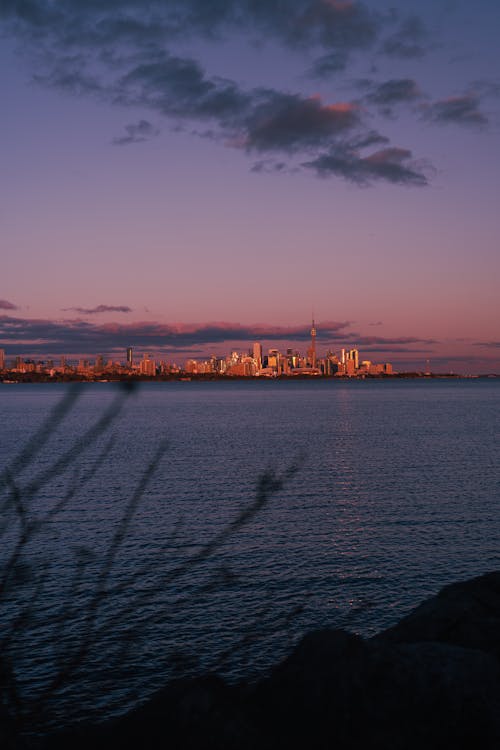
(408, 41)
(395, 91)
(99, 309)
(460, 110)
(136, 133)
(390, 164)
(6, 305)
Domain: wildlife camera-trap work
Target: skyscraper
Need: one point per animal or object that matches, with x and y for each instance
(257, 354)
(147, 365)
(354, 355)
(130, 357)
(2, 359)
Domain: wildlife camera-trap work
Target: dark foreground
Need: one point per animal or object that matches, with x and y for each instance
(432, 681)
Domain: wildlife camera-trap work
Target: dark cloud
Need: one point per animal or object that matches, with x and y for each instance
(461, 110)
(330, 24)
(6, 305)
(264, 120)
(48, 337)
(99, 309)
(119, 51)
(66, 76)
(136, 133)
(488, 344)
(408, 41)
(394, 91)
(179, 87)
(390, 164)
(367, 140)
(42, 338)
(290, 123)
(326, 65)
(271, 166)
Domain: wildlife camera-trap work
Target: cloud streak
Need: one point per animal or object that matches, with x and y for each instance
(136, 133)
(40, 337)
(458, 110)
(408, 41)
(6, 305)
(99, 309)
(395, 91)
(394, 165)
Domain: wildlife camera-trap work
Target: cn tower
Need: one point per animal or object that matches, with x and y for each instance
(313, 344)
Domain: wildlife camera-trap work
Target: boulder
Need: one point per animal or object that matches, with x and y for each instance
(463, 614)
(338, 691)
(432, 681)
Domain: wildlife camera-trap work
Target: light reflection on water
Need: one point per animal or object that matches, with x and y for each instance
(396, 495)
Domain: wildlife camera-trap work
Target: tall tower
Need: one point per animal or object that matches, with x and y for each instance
(312, 350)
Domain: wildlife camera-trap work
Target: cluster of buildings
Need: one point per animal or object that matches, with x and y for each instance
(253, 363)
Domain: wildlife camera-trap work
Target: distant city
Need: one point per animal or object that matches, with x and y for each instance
(252, 363)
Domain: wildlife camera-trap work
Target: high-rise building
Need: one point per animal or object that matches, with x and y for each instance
(130, 357)
(147, 365)
(2, 359)
(274, 360)
(354, 355)
(257, 354)
(350, 367)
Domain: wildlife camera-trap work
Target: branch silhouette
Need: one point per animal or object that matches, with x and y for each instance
(75, 629)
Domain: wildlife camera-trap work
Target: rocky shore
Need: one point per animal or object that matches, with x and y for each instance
(432, 681)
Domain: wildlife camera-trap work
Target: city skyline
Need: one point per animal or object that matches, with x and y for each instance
(255, 361)
(189, 177)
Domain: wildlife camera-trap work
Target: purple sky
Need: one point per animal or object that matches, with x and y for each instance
(192, 176)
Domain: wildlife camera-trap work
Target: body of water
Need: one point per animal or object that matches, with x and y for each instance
(373, 495)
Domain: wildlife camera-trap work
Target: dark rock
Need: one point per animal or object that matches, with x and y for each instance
(338, 691)
(202, 712)
(432, 681)
(464, 614)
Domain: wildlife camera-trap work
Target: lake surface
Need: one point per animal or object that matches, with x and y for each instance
(390, 490)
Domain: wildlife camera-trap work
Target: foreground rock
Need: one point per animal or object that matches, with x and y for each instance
(464, 614)
(433, 681)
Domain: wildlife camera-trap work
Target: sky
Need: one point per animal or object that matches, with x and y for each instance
(189, 176)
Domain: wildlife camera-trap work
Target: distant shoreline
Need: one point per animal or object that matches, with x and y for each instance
(30, 378)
